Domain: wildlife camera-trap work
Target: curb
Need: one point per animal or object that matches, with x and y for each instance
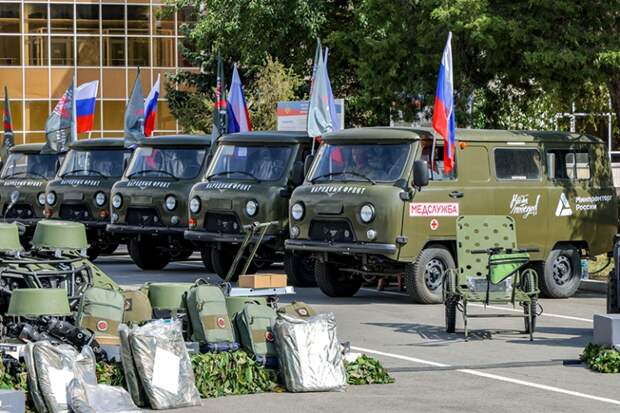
(593, 286)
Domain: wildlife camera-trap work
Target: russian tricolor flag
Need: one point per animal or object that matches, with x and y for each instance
(85, 100)
(237, 110)
(444, 121)
(150, 109)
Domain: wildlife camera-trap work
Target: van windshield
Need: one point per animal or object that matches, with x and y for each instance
(30, 165)
(107, 163)
(166, 163)
(259, 163)
(361, 162)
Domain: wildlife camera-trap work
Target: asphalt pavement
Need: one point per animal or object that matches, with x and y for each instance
(498, 369)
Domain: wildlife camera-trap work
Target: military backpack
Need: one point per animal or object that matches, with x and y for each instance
(101, 310)
(137, 307)
(298, 309)
(211, 326)
(255, 326)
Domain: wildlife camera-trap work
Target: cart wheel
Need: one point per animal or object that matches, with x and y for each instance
(450, 310)
(527, 309)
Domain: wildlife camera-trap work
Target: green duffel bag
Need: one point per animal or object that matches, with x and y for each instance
(298, 309)
(101, 310)
(211, 326)
(255, 326)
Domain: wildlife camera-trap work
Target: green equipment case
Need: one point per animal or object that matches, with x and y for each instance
(491, 270)
(211, 325)
(255, 326)
(168, 296)
(101, 310)
(35, 302)
(298, 309)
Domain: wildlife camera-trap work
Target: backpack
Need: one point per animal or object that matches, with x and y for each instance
(101, 310)
(137, 307)
(297, 309)
(206, 308)
(255, 326)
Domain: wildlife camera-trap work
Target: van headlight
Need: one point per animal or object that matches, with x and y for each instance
(100, 198)
(117, 200)
(251, 208)
(297, 211)
(194, 205)
(170, 202)
(41, 198)
(367, 213)
(51, 198)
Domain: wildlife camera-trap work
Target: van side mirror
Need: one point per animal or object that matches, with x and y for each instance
(551, 165)
(297, 174)
(308, 163)
(420, 173)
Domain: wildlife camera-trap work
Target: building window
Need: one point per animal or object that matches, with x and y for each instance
(88, 51)
(9, 18)
(61, 18)
(113, 19)
(183, 62)
(187, 15)
(87, 20)
(138, 20)
(36, 50)
(36, 18)
(36, 114)
(163, 51)
(9, 51)
(137, 51)
(62, 51)
(113, 51)
(163, 20)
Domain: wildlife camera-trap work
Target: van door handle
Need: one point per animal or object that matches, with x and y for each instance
(456, 194)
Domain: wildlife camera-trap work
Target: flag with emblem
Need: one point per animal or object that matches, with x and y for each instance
(134, 114)
(219, 107)
(8, 139)
(60, 127)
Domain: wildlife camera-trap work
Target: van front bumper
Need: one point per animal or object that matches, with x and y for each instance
(135, 230)
(204, 236)
(341, 247)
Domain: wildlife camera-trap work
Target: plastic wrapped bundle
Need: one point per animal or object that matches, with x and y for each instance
(33, 380)
(99, 398)
(55, 367)
(163, 365)
(309, 353)
(134, 385)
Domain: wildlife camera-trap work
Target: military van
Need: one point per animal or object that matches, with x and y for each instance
(149, 203)
(24, 176)
(81, 189)
(250, 179)
(377, 202)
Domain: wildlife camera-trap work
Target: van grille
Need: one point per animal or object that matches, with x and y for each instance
(74, 212)
(23, 211)
(331, 231)
(222, 223)
(143, 217)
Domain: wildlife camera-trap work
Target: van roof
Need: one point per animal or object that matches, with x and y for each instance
(267, 137)
(177, 140)
(27, 148)
(99, 143)
(465, 135)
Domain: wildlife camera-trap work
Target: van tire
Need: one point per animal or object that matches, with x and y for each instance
(222, 259)
(431, 263)
(562, 273)
(299, 268)
(334, 283)
(205, 254)
(145, 255)
(110, 248)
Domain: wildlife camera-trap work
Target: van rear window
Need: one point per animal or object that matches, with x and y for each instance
(517, 164)
(571, 164)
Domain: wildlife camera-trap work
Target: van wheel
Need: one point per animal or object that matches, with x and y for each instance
(561, 275)
(144, 255)
(205, 254)
(612, 296)
(335, 283)
(222, 259)
(424, 277)
(110, 248)
(299, 268)
(93, 252)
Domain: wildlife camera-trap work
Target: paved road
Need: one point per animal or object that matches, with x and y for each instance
(498, 369)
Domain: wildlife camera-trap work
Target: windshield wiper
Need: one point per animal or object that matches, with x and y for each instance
(84, 170)
(170, 174)
(235, 172)
(28, 174)
(343, 173)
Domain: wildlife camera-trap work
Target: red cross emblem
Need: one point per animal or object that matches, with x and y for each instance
(221, 323)
(434, 224)
(269, 336)
(102, 325)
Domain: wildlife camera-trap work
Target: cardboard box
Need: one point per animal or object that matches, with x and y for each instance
(262, 281)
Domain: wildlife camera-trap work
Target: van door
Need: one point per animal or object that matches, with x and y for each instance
(520, 189)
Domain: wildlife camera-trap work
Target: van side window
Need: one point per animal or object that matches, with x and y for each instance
(571, 164)
(435, 169)
(517, 163)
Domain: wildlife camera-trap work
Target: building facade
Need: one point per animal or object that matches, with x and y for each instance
(44, 44)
